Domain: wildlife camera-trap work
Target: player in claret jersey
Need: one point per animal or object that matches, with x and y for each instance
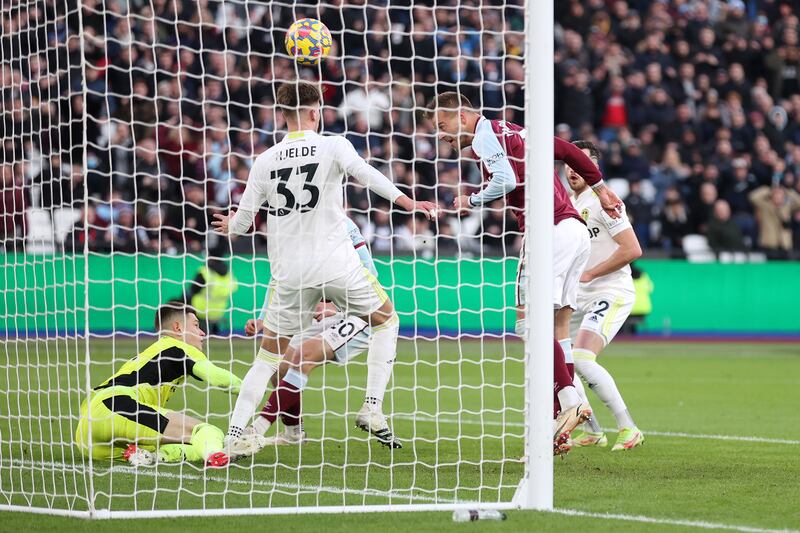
(498, 147)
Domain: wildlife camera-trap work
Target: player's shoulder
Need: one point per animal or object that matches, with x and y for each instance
(485, 137)
(333, 139)
(588, 205)
(267, 156)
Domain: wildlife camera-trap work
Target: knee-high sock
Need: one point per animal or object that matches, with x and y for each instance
(581, 391)
(254, 385)
(380, 360)
(601, 382)
(592, 423)
(285, 397)
(292, 415)
(564, 391)
(206, 440)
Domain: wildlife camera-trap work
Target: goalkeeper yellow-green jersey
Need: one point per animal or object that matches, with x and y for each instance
(155, 373)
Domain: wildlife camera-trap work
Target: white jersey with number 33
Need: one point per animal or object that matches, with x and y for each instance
(300, 182)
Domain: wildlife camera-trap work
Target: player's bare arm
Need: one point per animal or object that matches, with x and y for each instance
(629, 250)
(429, 209)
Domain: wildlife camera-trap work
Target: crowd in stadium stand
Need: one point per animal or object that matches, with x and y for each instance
(695, 106)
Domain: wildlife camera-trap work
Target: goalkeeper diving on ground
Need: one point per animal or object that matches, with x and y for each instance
(126, 415)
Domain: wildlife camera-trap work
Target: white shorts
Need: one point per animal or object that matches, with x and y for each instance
(571, 250)
(354, 347)
(290, 311)
(602, 312)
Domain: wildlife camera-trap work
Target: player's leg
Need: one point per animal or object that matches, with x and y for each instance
(288, 312)
(119, 417)
(569, 260)
(382, 352)
(331, 344)
(597, 329)
(254, 384)
(590, 433)
(363, 295)
(380, 361)
(189, 439)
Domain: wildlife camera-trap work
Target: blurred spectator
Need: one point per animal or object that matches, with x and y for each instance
(121, 235)
(675, 222)
(679, 94)
(723, 234)
(703, 207)
(416, 237)
(12, 209)
(378, 232)
(89, 229)
(494, 232)
(775, 210)
(640, 212)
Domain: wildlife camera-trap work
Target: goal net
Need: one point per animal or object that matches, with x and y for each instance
(127, 124)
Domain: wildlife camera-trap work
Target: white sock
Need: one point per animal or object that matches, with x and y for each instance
(254, 385)
(601, 382)
(519, 328)
(566, 345)
(380, 360)
(568, 397)
(579, 388)
(592, 424)
(261, 425)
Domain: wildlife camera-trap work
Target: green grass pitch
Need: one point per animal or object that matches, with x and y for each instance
(458, 408)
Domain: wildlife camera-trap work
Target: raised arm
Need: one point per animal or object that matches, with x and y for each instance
(760, 197)
(578, 161)
(238, 221)
(583, 165)
(354, 165)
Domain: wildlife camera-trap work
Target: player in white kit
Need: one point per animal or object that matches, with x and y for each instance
(379, 367)
(300, 182)
(605, 299)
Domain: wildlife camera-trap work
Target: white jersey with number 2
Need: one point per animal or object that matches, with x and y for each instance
(300, 182)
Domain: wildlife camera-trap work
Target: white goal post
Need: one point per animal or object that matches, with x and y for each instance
(127, 123)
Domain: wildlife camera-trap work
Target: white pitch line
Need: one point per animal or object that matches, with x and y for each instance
(498, 423)
(386, 494)
(670, 521)
(160, 473)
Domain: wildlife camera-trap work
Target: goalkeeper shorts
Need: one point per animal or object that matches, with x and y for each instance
(117, 420)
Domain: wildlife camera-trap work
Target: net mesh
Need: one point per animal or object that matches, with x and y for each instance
(129, 123)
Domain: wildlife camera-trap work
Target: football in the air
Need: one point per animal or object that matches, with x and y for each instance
(308, 40)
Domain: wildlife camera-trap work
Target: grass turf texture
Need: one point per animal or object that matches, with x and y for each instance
(730, 389)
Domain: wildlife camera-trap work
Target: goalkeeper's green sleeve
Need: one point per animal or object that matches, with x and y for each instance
(216, 376)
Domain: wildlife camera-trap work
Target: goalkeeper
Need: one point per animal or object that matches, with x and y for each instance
(128, 414)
